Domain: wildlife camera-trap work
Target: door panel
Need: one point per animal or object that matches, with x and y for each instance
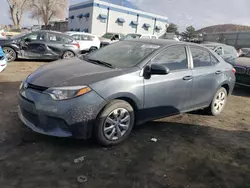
(204, 78)
(168, 94)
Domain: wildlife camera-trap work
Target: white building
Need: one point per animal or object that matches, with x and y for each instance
(99, 17)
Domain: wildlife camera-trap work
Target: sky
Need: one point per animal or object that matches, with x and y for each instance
(199, 13)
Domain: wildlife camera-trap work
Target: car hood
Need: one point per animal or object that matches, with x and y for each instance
(243, 61)
(71, 72)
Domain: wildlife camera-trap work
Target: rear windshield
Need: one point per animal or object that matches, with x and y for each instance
(124, 54)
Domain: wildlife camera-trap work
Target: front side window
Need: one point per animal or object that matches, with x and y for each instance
(123, 54)
(201, 57)
(175, 58)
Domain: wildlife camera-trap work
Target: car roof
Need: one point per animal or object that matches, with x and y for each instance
(162, 42)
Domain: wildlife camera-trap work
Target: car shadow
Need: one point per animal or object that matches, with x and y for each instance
(241, 91)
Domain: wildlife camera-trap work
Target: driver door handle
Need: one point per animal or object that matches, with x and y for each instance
(187, 78)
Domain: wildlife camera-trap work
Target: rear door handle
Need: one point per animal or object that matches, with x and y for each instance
(218, 72)
(187, 78)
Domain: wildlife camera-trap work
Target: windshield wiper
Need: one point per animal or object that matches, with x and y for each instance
(99, 62)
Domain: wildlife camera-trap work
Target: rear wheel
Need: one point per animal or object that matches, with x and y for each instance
(219, 102)
(68, 54)
(10, 54)
(114, 123)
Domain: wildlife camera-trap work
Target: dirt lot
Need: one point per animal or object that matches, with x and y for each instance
(192, 150)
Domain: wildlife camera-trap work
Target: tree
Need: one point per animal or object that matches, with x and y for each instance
(46, 10)
(189, 33)
(16, 10)
(172, 28)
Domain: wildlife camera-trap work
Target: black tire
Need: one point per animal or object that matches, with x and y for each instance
(66, 54)
(213, 108)
(92, 49)
(10, 54)
(101, 122)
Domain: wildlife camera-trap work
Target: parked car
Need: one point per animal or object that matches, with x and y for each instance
(242, 66)
(228, 53)
(40, 45)
(108, 94)
(109, 38)
(3, 62)
(88, 42)
(139, 36)
(2, 34)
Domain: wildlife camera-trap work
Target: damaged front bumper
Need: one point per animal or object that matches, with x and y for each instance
(69, 118)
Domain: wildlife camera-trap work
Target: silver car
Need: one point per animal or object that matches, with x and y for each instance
(107, 92)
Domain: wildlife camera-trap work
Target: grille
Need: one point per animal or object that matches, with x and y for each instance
(37, 88)
(240, 70)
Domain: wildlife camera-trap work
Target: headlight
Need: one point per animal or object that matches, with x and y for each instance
(63, 93)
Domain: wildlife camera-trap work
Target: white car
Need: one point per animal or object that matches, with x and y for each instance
(139, 36)
(88, 42)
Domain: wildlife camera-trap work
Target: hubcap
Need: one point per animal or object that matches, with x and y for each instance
(116, 124)
(9, 53)
(219, 102)
(68, 55)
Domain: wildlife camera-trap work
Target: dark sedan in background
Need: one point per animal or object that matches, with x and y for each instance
(242, 66)
(129, 82)
(228, 53)
(40, 45)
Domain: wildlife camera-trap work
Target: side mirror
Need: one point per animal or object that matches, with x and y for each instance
(159, 69)
(155, 69)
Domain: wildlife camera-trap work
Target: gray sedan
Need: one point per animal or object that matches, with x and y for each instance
(107, 92)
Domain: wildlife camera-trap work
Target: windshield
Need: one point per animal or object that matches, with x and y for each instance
(123, 54)
(248, 54)
(131, 36)
(108, 35)
(18, 36)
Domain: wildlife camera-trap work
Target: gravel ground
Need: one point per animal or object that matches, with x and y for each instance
(192, 150)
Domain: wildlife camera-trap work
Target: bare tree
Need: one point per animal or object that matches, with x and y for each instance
(16, 10)
(46, 10)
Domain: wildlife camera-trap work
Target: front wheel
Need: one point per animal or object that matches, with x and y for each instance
(114, 123)
(68, 54)
(219, 102)
(10, 54)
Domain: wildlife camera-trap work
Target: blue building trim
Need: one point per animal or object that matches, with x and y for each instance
(116, 9)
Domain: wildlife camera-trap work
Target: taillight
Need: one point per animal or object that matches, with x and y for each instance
(3, 34)
(233, 70)
(77, 45)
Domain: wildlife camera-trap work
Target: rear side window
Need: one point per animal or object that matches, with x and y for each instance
(58, 38)
(174, 58)
(87, 38)
(145, 37)
(201, 58)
